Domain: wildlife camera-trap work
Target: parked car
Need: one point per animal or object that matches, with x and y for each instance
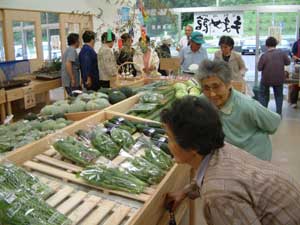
(249, 47)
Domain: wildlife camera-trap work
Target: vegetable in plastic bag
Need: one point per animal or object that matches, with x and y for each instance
(22, 208)
(143, 107)
(104, 144)
(122, 138)
(156, 156)
(16, 178)
(112, 178)
(144, 170)
(151, 97)
(76, 151)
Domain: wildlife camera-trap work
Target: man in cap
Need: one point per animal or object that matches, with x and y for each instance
(194, 53)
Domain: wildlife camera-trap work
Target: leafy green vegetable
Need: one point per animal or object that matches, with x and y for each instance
(22, 208)
(143, 107)
(104, 144)
(76, 151)
(122, 138)
(112, 178)
(144, 170)
(151, 97)
(159, 158)
(15, 178)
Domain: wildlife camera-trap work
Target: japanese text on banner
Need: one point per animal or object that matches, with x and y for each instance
(219, 23)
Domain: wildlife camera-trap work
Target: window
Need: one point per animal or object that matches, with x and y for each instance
(50, 36)
(2, 53)
(24, 40)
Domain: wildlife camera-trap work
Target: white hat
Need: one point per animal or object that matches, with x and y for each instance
(167, 40)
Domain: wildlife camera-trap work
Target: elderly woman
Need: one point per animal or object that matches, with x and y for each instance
(234, 59)
(235, 187)
(246, 123)
(146, 59)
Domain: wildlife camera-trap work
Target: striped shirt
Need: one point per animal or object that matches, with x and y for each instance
(239, 189)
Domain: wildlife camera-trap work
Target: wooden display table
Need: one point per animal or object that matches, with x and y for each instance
(2, 104)
(148, 206)
(35, 87)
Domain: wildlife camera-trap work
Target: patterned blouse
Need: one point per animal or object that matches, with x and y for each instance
(239, 189)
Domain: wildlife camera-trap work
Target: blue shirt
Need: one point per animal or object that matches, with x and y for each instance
(188, 57)
(88, 64)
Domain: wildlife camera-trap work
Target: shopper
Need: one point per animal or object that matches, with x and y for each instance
(272, 63)
(163, 51)
(185, 40)
(194, 53)
(106, 60)
(146, 59)
(88, 62)
(70, 75)
(126, 55)
(296, 51)
(235, 187)
(246, 123)
(233, 58)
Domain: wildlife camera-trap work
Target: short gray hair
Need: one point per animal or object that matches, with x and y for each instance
(218, 68)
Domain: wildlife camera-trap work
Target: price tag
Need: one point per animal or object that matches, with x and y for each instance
(162, 139)
(29, 98)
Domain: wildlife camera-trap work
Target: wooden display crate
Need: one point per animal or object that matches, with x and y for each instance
(137, 82)
(125, 106)
(85, 208)
(2, 105)
(41, 158)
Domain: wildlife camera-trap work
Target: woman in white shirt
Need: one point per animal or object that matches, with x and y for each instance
(145, 59)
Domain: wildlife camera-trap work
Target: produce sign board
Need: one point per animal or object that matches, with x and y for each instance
(40, 157)
(29, 98)
(85, 208)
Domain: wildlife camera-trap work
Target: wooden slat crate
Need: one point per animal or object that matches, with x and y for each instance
(84, 208)
(41, 158)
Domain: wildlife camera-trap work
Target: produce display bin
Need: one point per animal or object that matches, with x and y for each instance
(39, 157)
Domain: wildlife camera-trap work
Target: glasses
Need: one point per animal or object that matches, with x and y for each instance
(214, 88)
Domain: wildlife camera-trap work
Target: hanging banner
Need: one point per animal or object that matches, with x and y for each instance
(219, 23)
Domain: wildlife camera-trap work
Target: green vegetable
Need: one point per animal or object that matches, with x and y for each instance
(159, 158)
(122, 138)
(151, 97)
(143, 107)
(76, 151)
(144, 170)
(30, 116)
(112, 178)
(16, 178)
(105, 145)
(127, 91)
(97, 104)
(22, 208)
(77, 106)
(51, 110)
(116, 96)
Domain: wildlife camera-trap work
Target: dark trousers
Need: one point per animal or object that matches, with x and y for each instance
(265, 96)
(294, 93)
(105, 83)
(70, 89)
(94, 87)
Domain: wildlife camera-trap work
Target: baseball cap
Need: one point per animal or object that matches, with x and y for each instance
(197, 37)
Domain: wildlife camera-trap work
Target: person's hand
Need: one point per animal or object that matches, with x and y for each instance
(295, 57)
(173, 199)
(88, 82)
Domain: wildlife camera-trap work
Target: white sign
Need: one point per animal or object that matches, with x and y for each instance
(219, 23)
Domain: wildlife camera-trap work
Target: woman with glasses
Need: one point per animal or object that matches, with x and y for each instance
(246, 123)
(234, 186)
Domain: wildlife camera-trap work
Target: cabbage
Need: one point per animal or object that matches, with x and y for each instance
(180, 86)
(77, 106)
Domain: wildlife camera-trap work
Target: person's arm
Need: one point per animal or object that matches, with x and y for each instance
(261, 63)
(70, 59)
(265, 119)
(286, 59)
(242, 66)
(225, 210)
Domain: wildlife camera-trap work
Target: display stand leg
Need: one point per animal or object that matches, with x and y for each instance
(9, 110)
(47, 98)
(2, 108)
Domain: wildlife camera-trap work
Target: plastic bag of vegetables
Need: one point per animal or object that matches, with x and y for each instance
(144, 170)
(76, 151)
(104, 144)
(151, 97)
(22, 208)
(112, 178)
(16, 178)
(122, 137)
